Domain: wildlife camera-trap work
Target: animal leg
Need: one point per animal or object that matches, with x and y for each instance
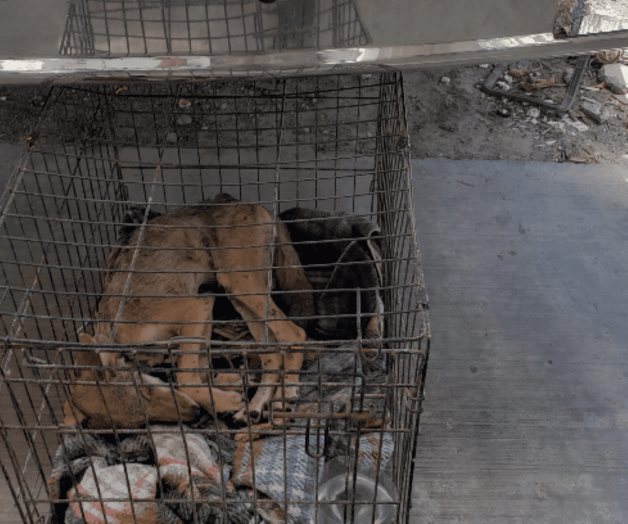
(198, 315)
(72, 416)
(248, 291)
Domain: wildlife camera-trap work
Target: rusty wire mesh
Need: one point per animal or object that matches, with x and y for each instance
(326, 157)
(158, 27)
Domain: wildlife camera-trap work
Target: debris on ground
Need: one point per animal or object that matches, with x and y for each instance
(609, 56)
(581, 127)
(536, 84)
(503, 111)
(594, 110)
(616, 77)
(469, 123)
(581, 156)
(568, 75)
(622, 99)
(534, 112)
(564, 21)
(184, 120)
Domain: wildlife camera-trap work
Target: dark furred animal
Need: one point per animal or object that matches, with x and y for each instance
(339, 254)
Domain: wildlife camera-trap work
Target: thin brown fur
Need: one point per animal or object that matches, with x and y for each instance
(224, 243)
(121, 398)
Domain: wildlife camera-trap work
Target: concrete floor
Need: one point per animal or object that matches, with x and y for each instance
(9, 155)
(526, 418)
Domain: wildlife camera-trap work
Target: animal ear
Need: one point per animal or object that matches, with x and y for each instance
(84, 338)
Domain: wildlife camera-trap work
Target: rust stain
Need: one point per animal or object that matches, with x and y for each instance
(172, 61)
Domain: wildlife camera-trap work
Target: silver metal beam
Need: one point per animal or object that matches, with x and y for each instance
(355, 59)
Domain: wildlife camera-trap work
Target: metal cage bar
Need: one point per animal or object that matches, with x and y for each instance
(214, 27)
(109, 170)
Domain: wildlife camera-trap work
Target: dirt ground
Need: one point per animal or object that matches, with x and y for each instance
(451, 117)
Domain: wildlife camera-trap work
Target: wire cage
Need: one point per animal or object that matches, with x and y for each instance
(157, 27)
(282, 381)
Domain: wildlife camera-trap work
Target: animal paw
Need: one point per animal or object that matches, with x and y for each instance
(242, 417)
(218, 400)
(286, 394)
(253, 413)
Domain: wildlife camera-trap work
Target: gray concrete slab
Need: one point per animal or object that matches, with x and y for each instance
(526, 418)
(31, 28)
(9, 155)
